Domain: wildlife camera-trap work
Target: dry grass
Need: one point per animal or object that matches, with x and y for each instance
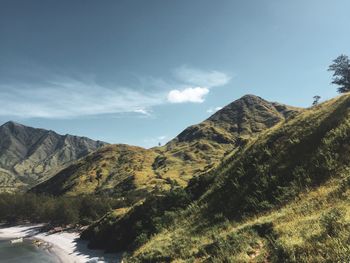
(293, 225)
(313, 227)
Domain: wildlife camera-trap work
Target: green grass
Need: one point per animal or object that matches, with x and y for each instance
(283, 198)
(314, 227)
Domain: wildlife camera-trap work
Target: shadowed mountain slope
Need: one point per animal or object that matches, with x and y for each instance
(29, 155)
(283, 198)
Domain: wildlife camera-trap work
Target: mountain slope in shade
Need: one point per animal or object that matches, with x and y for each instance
(133, 171)
(284, 198)
(30, 155)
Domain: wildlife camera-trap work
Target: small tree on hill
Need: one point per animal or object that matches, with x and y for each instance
(341, 75)
(316, 100)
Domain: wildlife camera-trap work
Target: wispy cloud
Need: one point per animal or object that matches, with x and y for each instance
(143, 111)
(47, 95)
(197, 84)
(202, 78)
(68, 98)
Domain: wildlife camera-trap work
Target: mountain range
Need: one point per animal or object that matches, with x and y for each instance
(29, 156)
(257, 181)
(130, 171)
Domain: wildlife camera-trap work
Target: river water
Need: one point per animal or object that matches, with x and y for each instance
(24, 253)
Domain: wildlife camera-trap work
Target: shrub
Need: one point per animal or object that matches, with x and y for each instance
(332, 222)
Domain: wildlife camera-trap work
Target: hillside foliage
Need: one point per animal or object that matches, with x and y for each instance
(282, 197)
(83, 210)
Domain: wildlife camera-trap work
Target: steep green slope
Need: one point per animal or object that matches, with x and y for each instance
(284, 197)
(202, 147)
(314, 227)
(132, 171)
(29, 155)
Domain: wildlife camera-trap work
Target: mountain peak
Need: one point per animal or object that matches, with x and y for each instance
(243, 117)
(12, 127)
(251, 99)
(12, 124)
(9, 122)
(251, 107)
(35, 154)
(250, 96)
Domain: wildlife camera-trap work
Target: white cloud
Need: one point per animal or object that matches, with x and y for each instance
(212, 110)
(196, 84)
(195, 95)
(201, 78)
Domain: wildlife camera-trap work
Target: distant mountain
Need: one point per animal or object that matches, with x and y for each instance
(130, 171)
(29, 155)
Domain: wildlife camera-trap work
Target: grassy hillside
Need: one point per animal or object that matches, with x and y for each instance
(9, 182)
(109, 170)
(313, 227)
(283, 197)
(133, 172)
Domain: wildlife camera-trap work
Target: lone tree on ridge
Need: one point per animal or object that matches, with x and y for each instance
(316, 100)
(341, 75)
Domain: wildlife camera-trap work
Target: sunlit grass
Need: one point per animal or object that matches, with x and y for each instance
(312, 226)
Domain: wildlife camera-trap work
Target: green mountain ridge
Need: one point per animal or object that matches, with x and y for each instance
(282, 197)
(130, 171)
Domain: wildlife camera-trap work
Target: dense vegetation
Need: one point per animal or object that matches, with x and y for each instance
(136, 225)
(282, 197)
(139, 224)
(17, 208)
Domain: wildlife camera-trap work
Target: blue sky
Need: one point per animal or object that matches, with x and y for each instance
(139, 72)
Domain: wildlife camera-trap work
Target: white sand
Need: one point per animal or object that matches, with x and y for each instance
(66, 246)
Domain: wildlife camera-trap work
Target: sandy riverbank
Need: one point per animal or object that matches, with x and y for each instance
(65, 245)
